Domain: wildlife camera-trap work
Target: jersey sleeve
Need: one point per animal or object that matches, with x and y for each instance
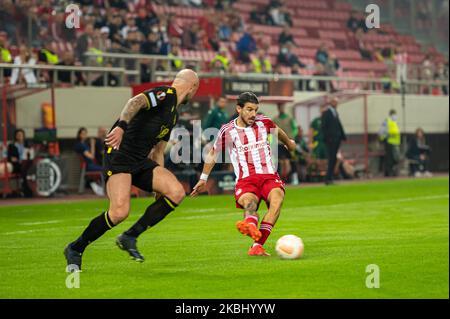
(156, 97)
(267, 121)
(219, 143)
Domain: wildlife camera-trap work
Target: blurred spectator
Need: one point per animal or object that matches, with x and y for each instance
(130, 21)
(118, 4)
(217, 116)
(5, 54)
(146, 19)
(190, 37)
(288, 125)
(84, 149)
(423, 14)
(332, 65)
(83, 43)
(68, 59)
(115, 23)
(287, 58)
(246, 45)
(361, 46)
(427, 68)
(418, 153)
(46, 55)
(260, 15)
(261, 62)
(236, 22)
(442, 75)
(286, 36)
(389, 135)
(390, 85)
(176, 63)
(279, 14)
(104, 41)
(356, 21)
(23, 75)
(333, 134)
(317, 141)
(111, 79)
(302, 157)
(19, 155)
(378, 55)
(220, 63)
(152, 45)
(224, 29)
(208, 22)
(401, 63)
(322, 54)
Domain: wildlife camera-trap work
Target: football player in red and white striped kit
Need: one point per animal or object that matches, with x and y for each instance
(246, 139)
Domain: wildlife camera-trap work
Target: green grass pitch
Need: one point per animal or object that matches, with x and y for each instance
(196, 252)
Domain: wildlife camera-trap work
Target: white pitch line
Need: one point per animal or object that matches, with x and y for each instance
(382, 202)
(40, 223)
(405, 199)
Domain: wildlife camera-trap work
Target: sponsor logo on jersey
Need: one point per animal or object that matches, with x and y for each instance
(251, 147)
(238, 191)
(164, 130)
(160, 95)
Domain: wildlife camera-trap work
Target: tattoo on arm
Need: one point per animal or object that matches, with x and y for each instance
(132, 107)
(251, 207)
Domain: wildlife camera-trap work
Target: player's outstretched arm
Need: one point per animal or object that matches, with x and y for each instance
(210, 161)
(282, 136)
(133, 106)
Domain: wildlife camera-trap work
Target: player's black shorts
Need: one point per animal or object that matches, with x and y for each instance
(283, 152)
(141, 172)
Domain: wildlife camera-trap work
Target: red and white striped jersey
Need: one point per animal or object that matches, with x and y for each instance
(249, 147)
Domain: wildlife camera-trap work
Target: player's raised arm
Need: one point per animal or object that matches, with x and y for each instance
(284, 138)
(210, 161)
(133, 106)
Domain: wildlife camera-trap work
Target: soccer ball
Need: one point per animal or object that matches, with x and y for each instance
(289, 247)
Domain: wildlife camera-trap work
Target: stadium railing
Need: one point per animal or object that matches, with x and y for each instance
(301, 82)
(90, 73)
(132, 62)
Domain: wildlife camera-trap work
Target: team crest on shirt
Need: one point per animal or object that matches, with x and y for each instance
(160, 95)
(238, 191)
(163, 131)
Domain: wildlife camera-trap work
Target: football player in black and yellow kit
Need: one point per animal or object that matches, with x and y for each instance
(134, 155)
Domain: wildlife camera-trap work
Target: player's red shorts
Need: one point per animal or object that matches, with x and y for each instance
(258, 184)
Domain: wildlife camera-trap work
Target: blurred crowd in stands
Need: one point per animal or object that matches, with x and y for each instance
(119, 26)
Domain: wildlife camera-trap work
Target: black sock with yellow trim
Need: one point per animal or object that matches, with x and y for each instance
(152, 216)
(96, 228)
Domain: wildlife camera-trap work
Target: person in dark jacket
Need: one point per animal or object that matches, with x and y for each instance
(418, 153)
(19, 156)
(333, 135)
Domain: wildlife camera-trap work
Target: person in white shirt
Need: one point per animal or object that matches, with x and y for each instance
(23, 75)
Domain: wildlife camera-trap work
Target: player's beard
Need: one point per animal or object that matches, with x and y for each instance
(246, 122)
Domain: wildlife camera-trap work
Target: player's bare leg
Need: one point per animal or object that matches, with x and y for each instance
(118, 187)
(275, 201)
(249, 226)
(172, 194)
